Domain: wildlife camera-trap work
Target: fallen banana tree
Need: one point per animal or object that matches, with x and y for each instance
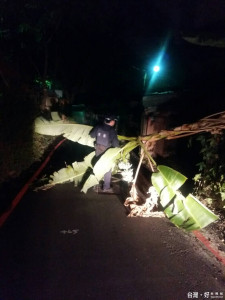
(187, 213)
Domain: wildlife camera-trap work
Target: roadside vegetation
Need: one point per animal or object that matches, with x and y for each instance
(209, 182)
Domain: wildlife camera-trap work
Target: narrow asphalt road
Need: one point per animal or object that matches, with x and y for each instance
(62, 244)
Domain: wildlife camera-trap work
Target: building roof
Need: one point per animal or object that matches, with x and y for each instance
(156, 99)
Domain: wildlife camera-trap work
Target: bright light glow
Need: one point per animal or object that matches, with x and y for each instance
(156, 68)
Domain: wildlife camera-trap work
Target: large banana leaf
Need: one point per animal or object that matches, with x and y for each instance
(80, 133)
(196, 209)
(75, 132)
(129, 147)
(167, 181)
(77, 171)
(71, 173)
(106, 162)
(90, 182)
(187, 213)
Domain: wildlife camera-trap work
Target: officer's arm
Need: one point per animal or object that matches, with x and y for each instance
(93, 131)
(115, 141)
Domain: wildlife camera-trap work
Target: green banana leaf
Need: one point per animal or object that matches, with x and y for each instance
(90, 182)
(80, 133)
(75, 132)
(199, 212)
(129, 147)
(106, 162)
(78, 169)
(67, 174)
(166, 182)
(73, 173)
(187, 213)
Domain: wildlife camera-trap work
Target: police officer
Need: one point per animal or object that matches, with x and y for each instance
(105, 137)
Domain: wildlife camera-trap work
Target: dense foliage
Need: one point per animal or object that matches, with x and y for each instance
(210, 181)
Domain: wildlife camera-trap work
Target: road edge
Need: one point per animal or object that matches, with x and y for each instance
(24, 189)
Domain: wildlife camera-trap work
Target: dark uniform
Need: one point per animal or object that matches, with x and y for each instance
(105, 137)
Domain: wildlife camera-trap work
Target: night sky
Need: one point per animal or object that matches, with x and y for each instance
(101, 49)
(111, 43)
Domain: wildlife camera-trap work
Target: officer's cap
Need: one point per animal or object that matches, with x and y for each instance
(109, 118)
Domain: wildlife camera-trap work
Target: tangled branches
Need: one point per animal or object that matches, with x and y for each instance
(214, 124)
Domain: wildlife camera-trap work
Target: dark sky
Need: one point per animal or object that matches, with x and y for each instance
(118, 39)
(102, 47)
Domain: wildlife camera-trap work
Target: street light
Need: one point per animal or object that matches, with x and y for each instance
(150, 76)
(156, 69)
